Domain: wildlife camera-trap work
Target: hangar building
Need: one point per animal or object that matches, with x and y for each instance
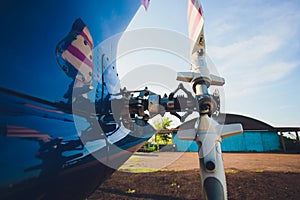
(257, 136)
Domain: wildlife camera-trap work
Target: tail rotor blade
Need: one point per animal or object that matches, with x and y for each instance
(196, 25)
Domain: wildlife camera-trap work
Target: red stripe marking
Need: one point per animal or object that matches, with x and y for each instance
(14, 127)
(24, 132)
(190, 11)
(44, 109)
(33, 134)
(200, 9)
(78, 54)
(196, 23)
(91, 44)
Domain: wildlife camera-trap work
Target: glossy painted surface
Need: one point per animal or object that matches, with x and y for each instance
(42, 155)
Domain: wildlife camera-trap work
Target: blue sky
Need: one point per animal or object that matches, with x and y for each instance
(255, 46)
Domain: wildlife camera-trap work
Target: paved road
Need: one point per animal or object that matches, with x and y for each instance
(189, 160)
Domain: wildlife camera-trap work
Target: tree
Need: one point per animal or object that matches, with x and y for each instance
(163, 124)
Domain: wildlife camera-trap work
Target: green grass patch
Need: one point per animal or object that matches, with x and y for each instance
(175, 185)
(231, 171)
(138, 170)
(259, 171)
(130, 191)
(134, 159)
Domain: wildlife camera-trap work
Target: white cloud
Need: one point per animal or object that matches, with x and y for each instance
(252, 50)
(244, 52)
(275, 71)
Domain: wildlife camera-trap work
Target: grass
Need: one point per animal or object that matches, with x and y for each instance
(138, 170)
(231, 171)
(134, 159)
(130, 191)
(259, 171)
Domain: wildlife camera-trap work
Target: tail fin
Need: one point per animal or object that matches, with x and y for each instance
(75, 53)
(145, 3)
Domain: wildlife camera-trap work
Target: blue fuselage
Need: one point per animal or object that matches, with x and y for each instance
(42, 155)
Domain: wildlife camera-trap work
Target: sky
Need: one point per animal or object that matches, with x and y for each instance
(254, 45)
